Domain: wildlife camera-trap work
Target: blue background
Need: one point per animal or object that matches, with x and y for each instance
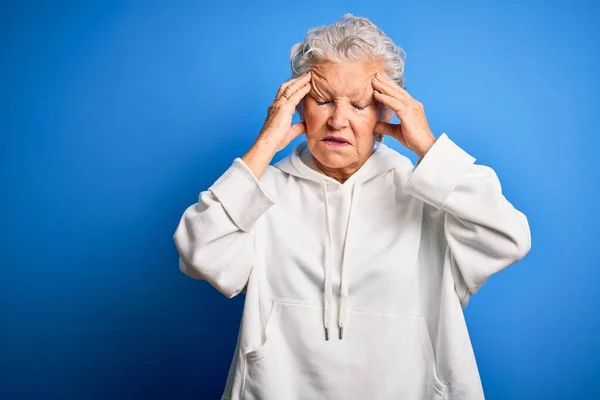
(115, 115)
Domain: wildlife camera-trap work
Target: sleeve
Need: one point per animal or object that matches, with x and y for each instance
(483, 231)
(215, 236)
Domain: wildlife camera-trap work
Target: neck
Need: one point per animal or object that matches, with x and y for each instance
(340, 174)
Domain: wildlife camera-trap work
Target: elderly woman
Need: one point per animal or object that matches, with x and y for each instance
(355, 263)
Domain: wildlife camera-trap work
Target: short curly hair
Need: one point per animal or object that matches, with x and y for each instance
(348, 39)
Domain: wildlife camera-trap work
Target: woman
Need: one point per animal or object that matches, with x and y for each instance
(356, 263)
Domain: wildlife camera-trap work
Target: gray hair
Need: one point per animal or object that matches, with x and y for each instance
(348, 39)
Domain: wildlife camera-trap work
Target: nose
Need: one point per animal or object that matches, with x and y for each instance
(338, 118)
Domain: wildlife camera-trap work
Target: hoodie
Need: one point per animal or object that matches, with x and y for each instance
(353, 291)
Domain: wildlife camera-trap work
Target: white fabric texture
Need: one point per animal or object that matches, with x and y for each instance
(354, 291)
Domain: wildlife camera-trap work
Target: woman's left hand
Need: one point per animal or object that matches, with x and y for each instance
(413, 131)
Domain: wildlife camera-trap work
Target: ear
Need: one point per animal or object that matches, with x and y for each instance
(300, 112)
(387, 115)
(300, 109)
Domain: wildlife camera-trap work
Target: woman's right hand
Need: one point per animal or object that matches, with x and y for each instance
(277, 129)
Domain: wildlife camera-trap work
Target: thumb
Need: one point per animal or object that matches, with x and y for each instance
(297, 129)
(386, 128)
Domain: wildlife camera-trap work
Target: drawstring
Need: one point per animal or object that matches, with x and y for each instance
(343, 311)
(327, 292)
(343, 315)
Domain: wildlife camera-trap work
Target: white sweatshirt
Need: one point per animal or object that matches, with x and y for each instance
(354, 291)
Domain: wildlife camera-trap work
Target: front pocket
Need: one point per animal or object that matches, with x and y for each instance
(260, 371)
(383, 355)
(253, 356)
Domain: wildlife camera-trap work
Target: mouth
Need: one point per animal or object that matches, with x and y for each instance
(336, 141)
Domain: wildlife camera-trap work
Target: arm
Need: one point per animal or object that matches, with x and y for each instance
(214, 237)
(484, 232)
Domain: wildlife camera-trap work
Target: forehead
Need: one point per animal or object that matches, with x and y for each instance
(350, 78)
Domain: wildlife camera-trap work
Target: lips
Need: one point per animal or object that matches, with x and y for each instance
(336, 139)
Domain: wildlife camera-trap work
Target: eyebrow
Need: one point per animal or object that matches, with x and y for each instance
(353, 95)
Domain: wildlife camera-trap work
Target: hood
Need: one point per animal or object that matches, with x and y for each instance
(301, 164)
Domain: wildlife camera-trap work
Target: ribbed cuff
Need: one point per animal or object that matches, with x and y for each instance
(438, 172)
(241, 195)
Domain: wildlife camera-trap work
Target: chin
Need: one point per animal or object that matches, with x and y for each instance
(334, 158)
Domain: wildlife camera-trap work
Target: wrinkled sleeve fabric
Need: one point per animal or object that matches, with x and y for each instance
(215, 236)
(483, 230)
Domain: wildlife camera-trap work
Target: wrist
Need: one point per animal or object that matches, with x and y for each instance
(421, 151)
(265, 145)
(259, 156)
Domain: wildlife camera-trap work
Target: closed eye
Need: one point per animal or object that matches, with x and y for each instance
(322, 103)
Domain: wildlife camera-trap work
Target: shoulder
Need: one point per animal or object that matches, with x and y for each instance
(399, 167)
(400, 170)
(274, 180)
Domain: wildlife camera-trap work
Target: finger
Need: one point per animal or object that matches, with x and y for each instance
(393, 130)
(284, 86)
(391, 89)
(297, 129)
(389, 86)
(294, 86)
(299, 94)
(386, 128)
(291, 86)
(398, 106)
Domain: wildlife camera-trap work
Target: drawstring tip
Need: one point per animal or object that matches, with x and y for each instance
(326, 333)
(341, 332)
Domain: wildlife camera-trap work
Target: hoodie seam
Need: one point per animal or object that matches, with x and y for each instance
(366, 310)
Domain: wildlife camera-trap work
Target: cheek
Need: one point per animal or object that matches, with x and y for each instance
(315, 116)
(365, 122)
(314, 119)
(361, 123)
